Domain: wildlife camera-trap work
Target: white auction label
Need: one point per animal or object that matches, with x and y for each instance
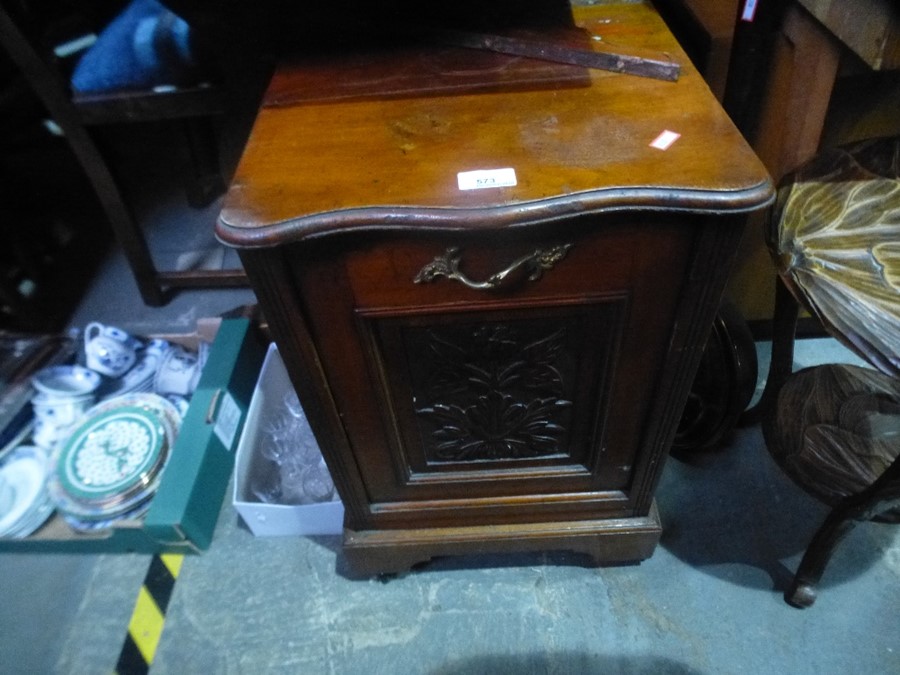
(665, 140)
(228, 421)
(486, 178)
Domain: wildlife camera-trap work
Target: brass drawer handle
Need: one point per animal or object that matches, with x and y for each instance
(447, 265)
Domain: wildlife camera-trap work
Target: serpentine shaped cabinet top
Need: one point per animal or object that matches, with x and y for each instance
(491, 278)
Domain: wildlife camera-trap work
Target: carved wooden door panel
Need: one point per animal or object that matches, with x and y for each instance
(519, 402)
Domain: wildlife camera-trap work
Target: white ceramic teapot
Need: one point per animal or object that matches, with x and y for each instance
(109, 350)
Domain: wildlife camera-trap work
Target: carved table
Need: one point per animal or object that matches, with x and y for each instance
(498, 360)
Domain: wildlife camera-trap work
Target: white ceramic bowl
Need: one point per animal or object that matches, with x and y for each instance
(66, 381)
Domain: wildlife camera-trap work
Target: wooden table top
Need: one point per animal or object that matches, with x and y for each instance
(324, 157)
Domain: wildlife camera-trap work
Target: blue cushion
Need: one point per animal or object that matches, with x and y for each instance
(145, 46)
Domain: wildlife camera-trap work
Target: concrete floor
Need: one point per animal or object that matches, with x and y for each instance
(706, 602)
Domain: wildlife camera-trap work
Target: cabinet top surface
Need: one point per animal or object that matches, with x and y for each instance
(381, 140)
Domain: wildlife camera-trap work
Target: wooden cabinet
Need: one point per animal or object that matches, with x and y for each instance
(500, 368)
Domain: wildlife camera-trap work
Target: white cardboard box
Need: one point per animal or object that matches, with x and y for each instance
(266, 520)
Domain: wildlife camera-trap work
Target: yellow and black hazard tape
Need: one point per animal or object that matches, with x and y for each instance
(148, 618)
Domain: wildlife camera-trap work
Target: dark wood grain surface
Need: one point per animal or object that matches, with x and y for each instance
(314, 167)
(468, 398)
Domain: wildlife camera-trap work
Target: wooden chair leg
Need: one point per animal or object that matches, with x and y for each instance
(207, 182)
(54, 95)
(126, 230)
(881, 496)
(784, 326)
(802, 592)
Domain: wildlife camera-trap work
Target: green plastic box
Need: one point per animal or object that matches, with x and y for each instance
(184, 511)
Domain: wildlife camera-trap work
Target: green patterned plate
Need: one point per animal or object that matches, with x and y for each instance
(111, 453)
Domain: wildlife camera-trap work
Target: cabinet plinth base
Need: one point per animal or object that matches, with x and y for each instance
(608, 540)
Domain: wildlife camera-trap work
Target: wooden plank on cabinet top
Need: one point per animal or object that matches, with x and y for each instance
(313, 168)
(869, 28)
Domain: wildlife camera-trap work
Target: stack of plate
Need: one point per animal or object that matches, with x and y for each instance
(109, 467)
(24, 501)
